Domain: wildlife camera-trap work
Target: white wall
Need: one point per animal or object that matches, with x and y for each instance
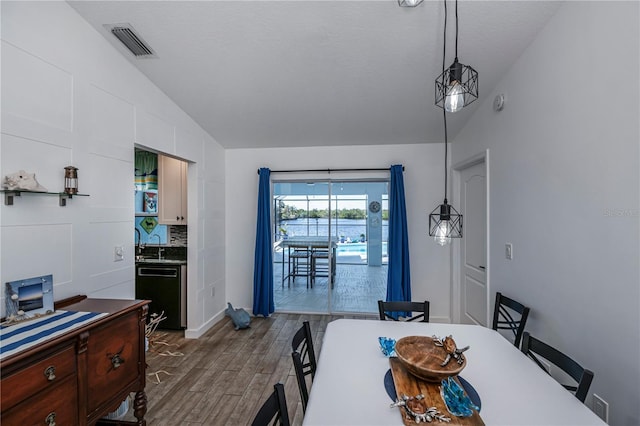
(69, 98)
(565, 191)
(424, 186)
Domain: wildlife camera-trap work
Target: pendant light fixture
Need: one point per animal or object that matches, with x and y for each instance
(444, 221)
(457, 86)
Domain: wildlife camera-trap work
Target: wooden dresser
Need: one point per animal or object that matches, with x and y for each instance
(82, 375)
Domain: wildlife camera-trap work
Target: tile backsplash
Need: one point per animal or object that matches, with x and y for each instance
(173, 235)
(178, 235)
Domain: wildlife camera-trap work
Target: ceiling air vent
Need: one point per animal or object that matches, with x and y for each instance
(132, 41)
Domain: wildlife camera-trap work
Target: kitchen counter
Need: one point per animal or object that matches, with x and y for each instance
(156, 261)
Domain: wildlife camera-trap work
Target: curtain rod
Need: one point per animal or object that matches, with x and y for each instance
(332, 170)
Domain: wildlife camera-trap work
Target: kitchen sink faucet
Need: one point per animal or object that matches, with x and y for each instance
(160, 249)
(139, 246)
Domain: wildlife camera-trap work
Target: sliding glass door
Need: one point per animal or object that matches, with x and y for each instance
(330, 250)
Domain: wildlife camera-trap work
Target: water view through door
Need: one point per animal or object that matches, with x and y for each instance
(330, 248)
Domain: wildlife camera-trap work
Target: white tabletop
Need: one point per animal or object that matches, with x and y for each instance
(309, 240)
(348, 388)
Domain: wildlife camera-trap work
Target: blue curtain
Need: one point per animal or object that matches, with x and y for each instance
(262, 265)
(398, 277)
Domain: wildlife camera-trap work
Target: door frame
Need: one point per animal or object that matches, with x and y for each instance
(456, 171)
(330, 181)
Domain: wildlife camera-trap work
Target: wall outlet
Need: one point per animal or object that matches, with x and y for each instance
(600, 407)
(118, 253)
(508, 251)
(546, 365)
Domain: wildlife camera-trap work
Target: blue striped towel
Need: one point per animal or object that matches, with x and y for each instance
(22, 336)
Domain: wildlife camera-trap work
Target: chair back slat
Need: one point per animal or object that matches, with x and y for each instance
(304, 360)
(508, 322)
(504, 320)
(274, 409)
(532, 346)
(385, 310)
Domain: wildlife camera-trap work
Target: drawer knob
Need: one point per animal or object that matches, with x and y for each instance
(50, 420)
(50, 373)
(116, 359)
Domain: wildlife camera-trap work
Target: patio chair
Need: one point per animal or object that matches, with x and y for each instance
(532, 346)
(299, 263)
(384, 308)
(320, 264)
(304, 360)
(274, 409)
(504, 320)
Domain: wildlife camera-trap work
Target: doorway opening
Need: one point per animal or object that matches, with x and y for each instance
(330, 251)
(471, 273)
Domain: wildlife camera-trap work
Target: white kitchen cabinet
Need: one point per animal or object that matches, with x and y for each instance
(172, 191)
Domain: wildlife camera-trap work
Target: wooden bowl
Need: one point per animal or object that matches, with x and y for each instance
(423, 359)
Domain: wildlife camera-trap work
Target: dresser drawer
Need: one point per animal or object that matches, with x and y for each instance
(37, 377)
(58, 403)
(113, 352)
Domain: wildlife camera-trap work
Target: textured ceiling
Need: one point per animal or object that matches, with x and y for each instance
(308, 73)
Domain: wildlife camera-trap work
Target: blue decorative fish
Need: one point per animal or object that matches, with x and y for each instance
(458, 403)
(387, 346)
(240, 317)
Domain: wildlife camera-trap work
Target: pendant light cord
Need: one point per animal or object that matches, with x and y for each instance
(446, 144)
(456, 29)
(444, 112)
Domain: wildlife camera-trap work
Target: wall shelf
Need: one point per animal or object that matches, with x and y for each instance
(9, 194)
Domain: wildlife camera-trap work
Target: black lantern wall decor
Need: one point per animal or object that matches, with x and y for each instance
(457, 86)
(70, 180)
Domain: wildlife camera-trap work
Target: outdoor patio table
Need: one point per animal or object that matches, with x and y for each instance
(348, 388)
(310, 242)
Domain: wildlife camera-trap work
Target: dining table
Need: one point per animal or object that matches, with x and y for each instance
(349, 383)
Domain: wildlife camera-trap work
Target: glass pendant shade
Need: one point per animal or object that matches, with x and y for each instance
(456, 87)
(409, 3)
(445, 223)
(442, 231)
(454, 100)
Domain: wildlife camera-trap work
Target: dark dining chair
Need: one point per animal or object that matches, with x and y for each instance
(503, 316)
(422, 309)
(273, 410)
(532, 347)
(304, 360)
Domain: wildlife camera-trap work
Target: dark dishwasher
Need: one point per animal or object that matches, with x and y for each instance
(165, 286)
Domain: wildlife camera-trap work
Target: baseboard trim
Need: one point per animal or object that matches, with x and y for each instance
(443, 320)
(196, 333)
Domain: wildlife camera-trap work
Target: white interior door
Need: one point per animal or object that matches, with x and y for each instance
(473, 256)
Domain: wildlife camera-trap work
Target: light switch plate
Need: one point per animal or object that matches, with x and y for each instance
(118, 253)
(508, 251)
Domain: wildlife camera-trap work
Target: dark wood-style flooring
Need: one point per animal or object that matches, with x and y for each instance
(225, 376)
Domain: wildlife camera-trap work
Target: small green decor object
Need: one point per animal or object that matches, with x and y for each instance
(149, 224)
